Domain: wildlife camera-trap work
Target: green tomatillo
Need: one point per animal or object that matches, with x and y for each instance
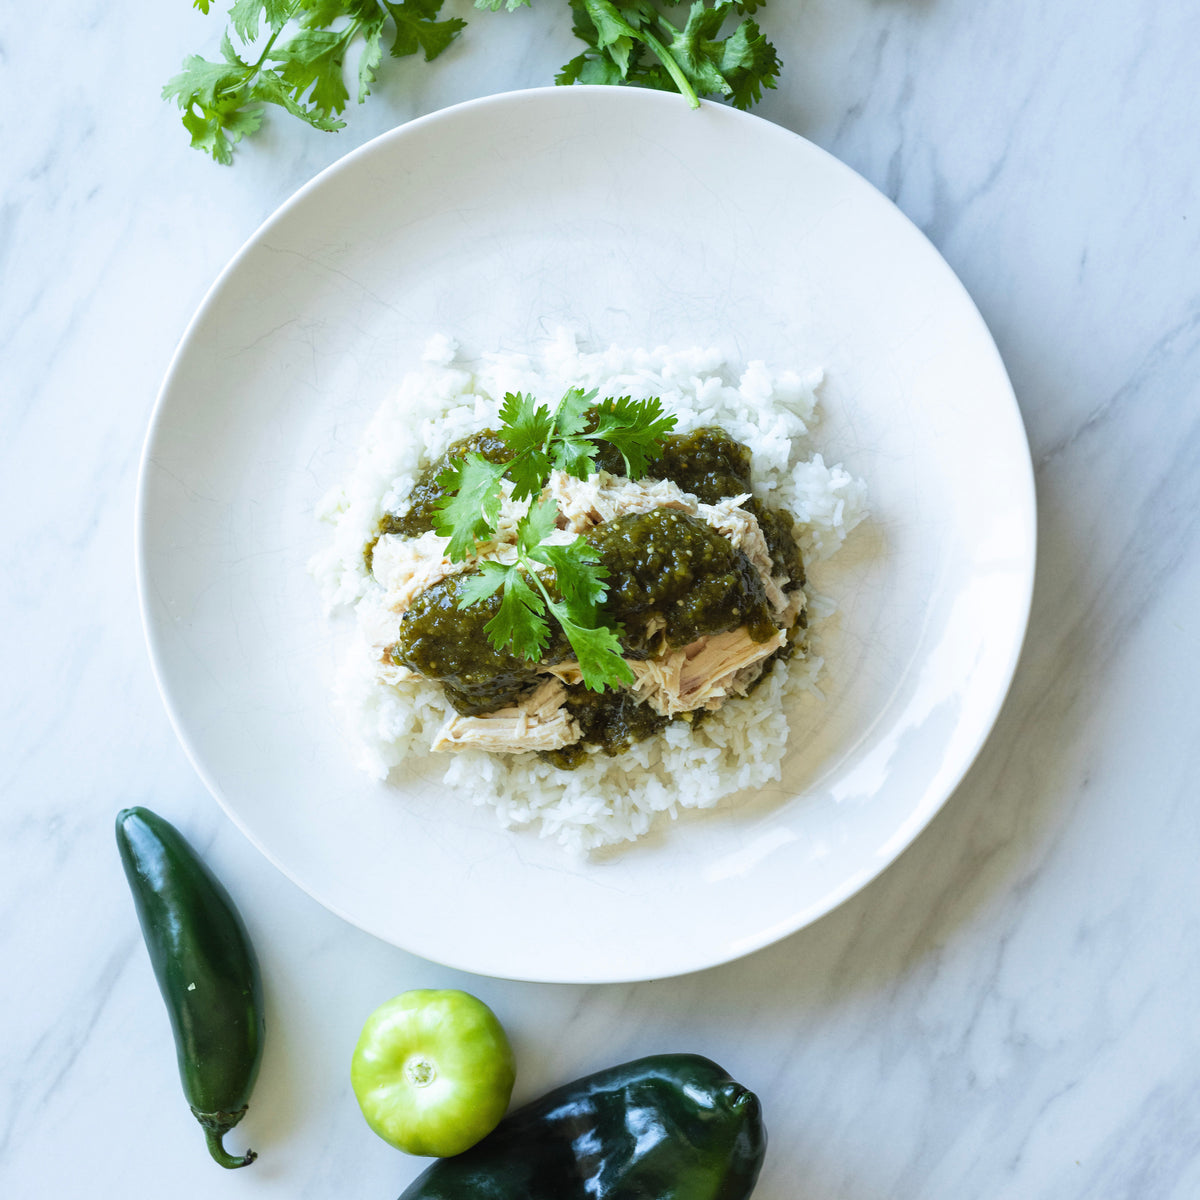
(433, 1071)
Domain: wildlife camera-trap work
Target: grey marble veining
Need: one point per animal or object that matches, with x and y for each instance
(1009, 1012)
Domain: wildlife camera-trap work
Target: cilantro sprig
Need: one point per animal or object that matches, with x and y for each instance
(631, 41)
(568, 438)
(293, 54)
(303, 72)
(565, 439)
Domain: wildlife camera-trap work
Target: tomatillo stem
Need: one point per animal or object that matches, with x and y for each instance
(421, 1071)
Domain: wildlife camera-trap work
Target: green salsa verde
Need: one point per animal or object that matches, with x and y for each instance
(667, 569)
(447, 643)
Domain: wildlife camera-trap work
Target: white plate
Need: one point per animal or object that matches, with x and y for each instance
(636, 220)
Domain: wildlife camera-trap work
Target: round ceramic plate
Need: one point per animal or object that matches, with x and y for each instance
(635, 220)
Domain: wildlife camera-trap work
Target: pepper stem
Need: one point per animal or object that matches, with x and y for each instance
(222, 1156)
(216, 1126)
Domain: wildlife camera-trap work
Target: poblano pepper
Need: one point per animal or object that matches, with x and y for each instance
(671, 1127)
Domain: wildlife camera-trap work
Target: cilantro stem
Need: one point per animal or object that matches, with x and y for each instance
(681, 80)
(267, 49)
(641, 34)
(348, 35)
(596, 674)
(530, 573)
(253, 71)
(262, 58)
(237, 89)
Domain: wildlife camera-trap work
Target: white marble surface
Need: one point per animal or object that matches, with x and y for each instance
(1010, 1011)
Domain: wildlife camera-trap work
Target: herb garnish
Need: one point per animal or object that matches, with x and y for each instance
(632, 42)
(299, 60)
(566, 439)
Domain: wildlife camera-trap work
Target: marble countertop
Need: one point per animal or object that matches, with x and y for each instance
(1009, 1011)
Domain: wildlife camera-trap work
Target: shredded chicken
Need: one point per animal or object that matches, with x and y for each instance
(539, 722)
(583, 503)
(703, 674)
(405, 566)
(700, 675)
(797, 602)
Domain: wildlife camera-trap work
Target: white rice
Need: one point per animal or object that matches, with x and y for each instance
(606, 800)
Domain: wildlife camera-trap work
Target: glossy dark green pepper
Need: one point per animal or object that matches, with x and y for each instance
(669, 1127)
(206, 971)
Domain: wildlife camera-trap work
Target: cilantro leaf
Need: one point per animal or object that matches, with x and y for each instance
(365, 20)
(615, 36)
(480, 585)
(571, 415)
(580, 579)
(418, 29)
(520, 624)
(211, 97)
(218, 132)
(636, 428)
(573, 452)
(245, 15)
(749, 62)
(597, 649)
(372, 56)
(527, 424)
(201, 82)
(470, 510)
(311, 62)
(527, 429)
(271, 88)
(696, 51)
(321, 14)
(576, 456)
(528, 472)
(738, 66)
(584, 68)
(537, 525)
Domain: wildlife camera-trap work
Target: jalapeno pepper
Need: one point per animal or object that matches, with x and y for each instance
(670, 1127)
(206, 971)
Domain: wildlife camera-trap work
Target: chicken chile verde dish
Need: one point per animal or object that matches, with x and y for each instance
(582, 583)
